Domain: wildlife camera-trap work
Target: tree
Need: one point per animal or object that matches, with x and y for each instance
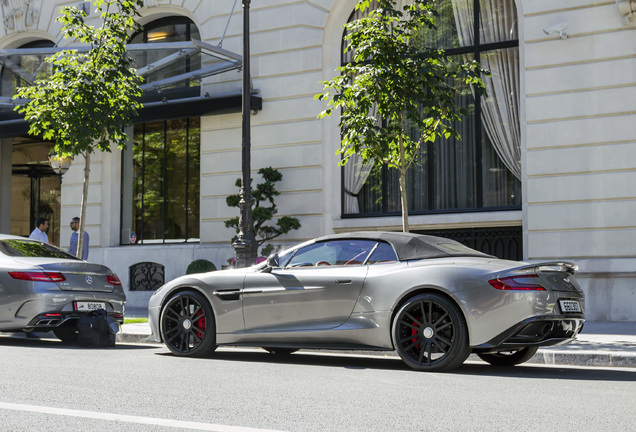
(393, 86)
(263, 193)
(91, 95)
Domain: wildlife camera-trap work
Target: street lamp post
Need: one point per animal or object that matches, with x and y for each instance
(245, 243)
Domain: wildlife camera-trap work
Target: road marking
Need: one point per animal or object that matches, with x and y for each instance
(129, 419)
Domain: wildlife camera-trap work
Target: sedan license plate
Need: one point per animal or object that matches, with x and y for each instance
(570, 306)
(89, 306)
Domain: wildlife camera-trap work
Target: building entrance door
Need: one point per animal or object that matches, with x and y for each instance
(35, 189)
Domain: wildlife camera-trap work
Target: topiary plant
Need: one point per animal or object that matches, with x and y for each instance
(262, 195)
(200, 266)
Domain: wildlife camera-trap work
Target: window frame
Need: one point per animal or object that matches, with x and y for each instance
(476, 51)
(187, 196)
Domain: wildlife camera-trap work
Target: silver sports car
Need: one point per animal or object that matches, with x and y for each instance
(431, 299)
(43, 288)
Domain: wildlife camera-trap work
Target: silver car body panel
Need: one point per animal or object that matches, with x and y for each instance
(22, 302)
(353, 306)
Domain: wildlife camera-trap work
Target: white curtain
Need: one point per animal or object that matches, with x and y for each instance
(501, 106)
(356, 172)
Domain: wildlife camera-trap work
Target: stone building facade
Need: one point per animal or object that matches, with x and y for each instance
(571, 66)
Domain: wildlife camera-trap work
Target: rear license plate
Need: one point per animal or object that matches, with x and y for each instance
(89, 306)
(570, 306)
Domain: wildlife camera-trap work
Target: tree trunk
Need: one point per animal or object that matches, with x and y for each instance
(403, 195)
(80, 236)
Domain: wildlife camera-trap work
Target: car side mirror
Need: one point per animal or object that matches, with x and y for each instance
(272, 261)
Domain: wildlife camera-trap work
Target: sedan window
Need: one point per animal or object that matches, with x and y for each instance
(31, 249)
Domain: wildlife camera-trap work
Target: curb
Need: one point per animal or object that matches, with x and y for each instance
(585, 358)
(133, 338)
(543, 356)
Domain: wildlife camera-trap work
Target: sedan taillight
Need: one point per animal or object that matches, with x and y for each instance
(113, 280)
(518, 283)
(38, 276)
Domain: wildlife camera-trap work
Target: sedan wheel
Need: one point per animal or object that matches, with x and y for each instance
(187, 325)
(430, 334)
(509, 358)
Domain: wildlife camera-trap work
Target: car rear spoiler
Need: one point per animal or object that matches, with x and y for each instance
(545, 267)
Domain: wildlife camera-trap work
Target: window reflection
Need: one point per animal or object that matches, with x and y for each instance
(455, 174)
(166, 181)
(171, 29)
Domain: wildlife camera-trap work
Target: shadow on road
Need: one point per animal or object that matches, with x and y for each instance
(389, 363)
(20, 340)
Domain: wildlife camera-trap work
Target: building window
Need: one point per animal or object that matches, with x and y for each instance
(171, 29)
(163, 171)
(31, 65)
(481, 171)
(160, 173)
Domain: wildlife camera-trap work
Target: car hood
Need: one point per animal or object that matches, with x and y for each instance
(80, 275)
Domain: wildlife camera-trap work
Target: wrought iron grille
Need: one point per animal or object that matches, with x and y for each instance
(504, 243)
(146, 276)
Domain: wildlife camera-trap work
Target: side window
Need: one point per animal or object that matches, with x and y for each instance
(313, 255)
(340, 252)
(384, 253)
(354, 252)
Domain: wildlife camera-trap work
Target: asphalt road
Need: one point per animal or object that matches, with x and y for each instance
(47, 385)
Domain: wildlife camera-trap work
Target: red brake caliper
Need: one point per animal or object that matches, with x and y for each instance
(414, 333)
(201, 324)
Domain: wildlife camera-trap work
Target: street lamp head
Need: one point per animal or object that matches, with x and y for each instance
(60, 164)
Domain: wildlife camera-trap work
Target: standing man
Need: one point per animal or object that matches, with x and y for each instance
(75, 239)
(39, 233)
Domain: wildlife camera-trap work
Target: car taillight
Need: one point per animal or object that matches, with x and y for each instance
(113, 280)
(518, 283)
(38, 276)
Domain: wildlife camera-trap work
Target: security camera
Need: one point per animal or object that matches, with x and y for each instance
(557, 28)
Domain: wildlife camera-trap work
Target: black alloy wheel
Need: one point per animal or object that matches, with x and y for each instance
(280, 351)
(430, 333)
(509, 358)
(187, 325)
(66, 334)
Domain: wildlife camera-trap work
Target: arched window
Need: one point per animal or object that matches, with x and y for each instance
(27, 67)
(160, 174)
(170, 29)
(481, 171)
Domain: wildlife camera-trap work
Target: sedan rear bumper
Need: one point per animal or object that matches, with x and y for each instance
(52, 320)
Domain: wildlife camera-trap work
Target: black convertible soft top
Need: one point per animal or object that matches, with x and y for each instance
(410, 246)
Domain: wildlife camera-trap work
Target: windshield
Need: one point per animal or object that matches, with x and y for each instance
(31, 249)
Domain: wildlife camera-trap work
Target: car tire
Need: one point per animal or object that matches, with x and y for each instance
(187, 325)
(280, 351)
(430, 333)
(509, 358)
(66, 334)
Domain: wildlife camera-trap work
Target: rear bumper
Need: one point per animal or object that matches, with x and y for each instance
(50, 320)
(536, 331)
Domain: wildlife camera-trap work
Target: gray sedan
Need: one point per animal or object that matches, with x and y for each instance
(431, 299)
(43, 288)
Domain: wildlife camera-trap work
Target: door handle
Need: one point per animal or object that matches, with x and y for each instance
(343, 282)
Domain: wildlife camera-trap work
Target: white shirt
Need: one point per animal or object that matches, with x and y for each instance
(39, 235)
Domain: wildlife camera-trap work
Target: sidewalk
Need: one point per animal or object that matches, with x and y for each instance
(605, 344)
